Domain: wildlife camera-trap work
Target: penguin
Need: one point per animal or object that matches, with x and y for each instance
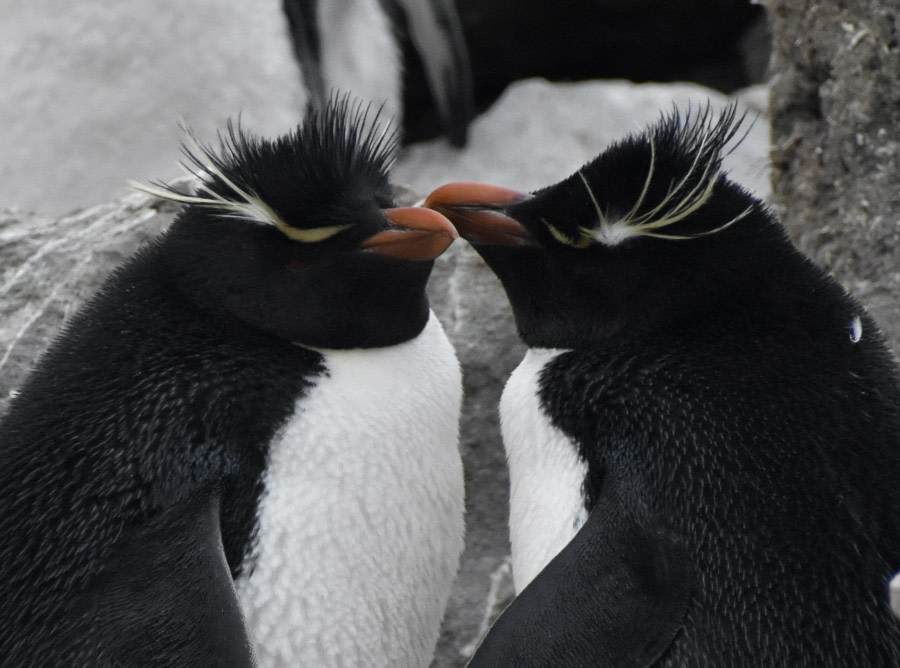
(703, 438)
(357, 46)
(244, 449)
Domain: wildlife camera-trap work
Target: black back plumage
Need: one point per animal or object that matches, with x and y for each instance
(141, 407)
(738, 411)
(131, 459)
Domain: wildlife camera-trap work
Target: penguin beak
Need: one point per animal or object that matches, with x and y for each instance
(476, 209)
(418, 235)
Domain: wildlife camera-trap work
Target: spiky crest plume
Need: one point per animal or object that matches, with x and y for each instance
(341, 149)
(693, 146)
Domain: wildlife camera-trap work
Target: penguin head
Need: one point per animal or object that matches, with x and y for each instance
(300, 236)
(648, 231)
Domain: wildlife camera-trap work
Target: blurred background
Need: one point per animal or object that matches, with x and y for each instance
(93, 91)
(723, 44)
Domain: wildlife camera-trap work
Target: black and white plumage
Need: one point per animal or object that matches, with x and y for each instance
(354, 46)
(704, 435)
(248, 436)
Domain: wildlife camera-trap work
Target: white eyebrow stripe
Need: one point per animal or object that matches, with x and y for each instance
(677, 203)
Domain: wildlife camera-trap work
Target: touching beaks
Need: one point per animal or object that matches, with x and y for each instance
(476, 209)
(418, 234)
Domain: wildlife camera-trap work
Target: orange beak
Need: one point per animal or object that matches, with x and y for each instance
(476, 211)
(419, 234)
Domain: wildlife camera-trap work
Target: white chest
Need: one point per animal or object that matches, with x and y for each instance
(361, 520)
(546, 473)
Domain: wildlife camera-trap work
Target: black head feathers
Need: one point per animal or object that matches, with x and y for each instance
(298, 236)
(650, 184)
(666, 182)
(336, 160)
(648, 231)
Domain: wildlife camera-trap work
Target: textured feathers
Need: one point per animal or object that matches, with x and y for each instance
(682, 157)
(121, 422)
(132, 460)
(737, 411)
(339, 152)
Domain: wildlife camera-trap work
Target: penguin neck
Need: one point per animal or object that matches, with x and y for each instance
(345, 299)
(371, 326)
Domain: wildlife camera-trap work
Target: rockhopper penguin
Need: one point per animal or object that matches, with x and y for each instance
(246, 442)
(704, 435)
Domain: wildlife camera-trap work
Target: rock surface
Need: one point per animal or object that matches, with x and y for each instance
(536, 134)
(48, 267)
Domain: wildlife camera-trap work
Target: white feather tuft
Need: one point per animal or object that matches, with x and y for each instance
(678, 203)
(674, 207)
(243, 205)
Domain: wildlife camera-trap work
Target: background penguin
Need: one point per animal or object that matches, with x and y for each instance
(704, 436)
(357, 46)
(255, 419)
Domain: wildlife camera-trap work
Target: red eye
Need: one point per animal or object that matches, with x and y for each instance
(297, 265)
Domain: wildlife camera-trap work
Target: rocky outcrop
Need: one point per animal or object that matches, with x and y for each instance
(49, 266)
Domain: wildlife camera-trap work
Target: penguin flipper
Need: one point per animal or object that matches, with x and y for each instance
(436, 33)
(166, 597)
(616, 595)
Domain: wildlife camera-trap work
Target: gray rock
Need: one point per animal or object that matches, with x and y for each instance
(536, 134)
(48, 267)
